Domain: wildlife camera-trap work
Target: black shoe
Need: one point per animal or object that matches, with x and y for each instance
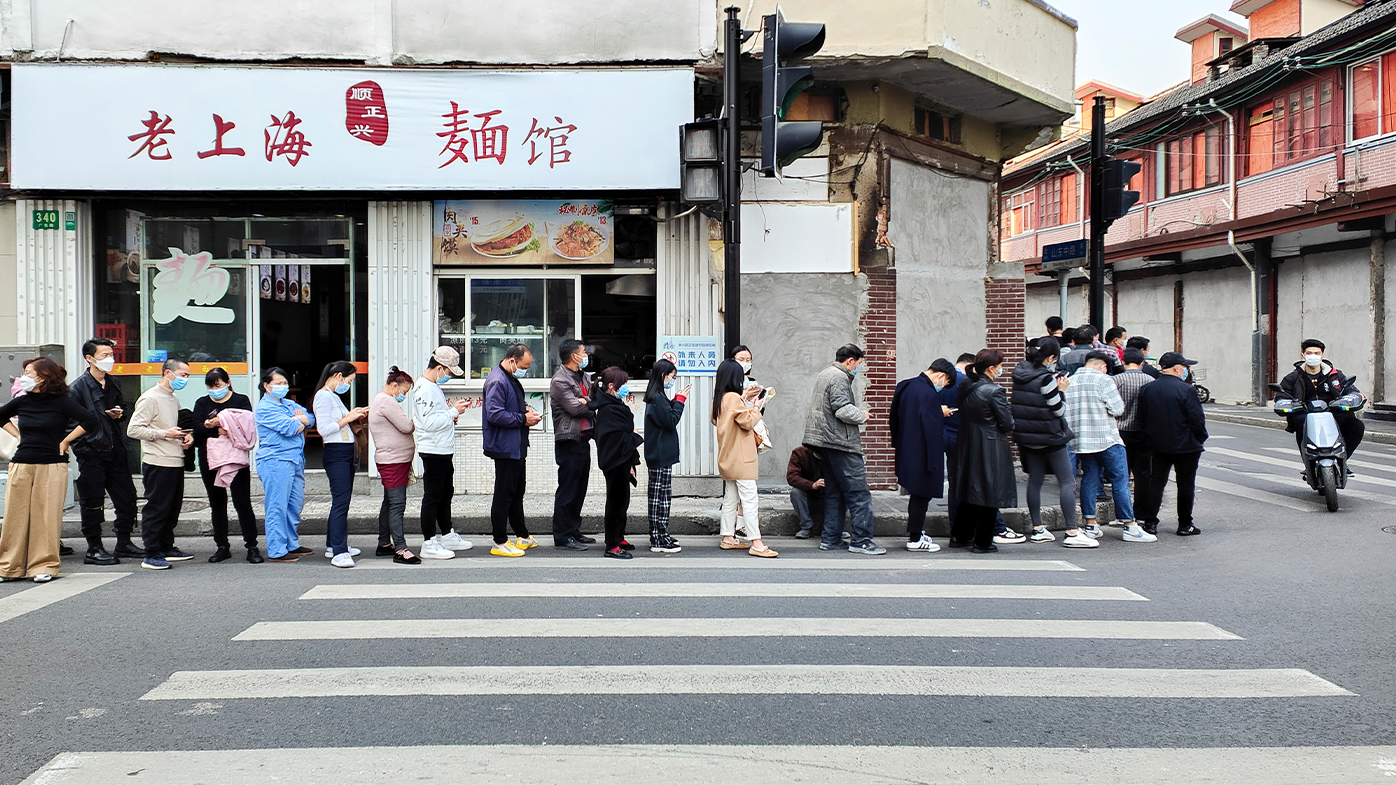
(992, 548)
(100, 557)
(65, 550)
(582, 538)
(222, 554)
(617, 553)
(1188, 531)
(175, 554)
(802, 534)
(129, 550)
(665, 544)
(1151, 528)
(400, 559)
(301, 551)
(254, 555)
(385, 550)
(572, 544)
(626, 546)
(954, 543)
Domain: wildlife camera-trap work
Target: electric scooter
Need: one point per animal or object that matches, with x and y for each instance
(1323, 451)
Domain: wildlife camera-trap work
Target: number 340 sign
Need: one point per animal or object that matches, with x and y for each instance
(48, 219)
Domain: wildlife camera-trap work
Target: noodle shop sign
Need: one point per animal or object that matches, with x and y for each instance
(507, 233)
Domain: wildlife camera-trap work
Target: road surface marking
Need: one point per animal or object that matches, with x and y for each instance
(1246, 492)
(1356, 463)
(739, 560)
(934, 591)
(1294, 464)
(62, 588)
(631, 627)
(1068, 682)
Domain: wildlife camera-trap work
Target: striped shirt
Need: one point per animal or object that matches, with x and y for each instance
(1129, 383)
(1092, 404)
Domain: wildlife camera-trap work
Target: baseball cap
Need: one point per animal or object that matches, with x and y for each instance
(445, 355)
(1170, 359)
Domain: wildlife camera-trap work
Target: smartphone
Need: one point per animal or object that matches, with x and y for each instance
(1062, 374)
(186, 430)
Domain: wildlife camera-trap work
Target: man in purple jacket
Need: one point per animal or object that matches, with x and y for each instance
(506, 423)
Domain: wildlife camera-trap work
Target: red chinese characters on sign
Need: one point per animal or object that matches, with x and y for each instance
(152, 139)
(487, 141)
(282, 139)
(366, 113)
(554, 138)
(221, 127)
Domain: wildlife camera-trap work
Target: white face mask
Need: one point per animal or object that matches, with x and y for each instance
(746, 366)
(105, 364)
(26, 383)
(1313, 360)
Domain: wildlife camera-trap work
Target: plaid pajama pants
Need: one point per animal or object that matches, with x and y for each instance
(661, 496)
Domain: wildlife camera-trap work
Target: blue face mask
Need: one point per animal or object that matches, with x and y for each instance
(400, 397)
(342, 389)
(278, 391)
(624, 391)
(179, 382)
(856, 369)
(520, 373)
(669, 385)
(220, 393)
(938, 387)
(585, 362)
(442, 378)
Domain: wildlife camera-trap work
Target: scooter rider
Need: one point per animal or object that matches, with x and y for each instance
(1316, 379)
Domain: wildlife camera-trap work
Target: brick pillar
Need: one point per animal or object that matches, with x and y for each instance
(1005, 298)
(878, 326)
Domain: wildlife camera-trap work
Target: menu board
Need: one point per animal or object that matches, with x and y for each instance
(516, 233)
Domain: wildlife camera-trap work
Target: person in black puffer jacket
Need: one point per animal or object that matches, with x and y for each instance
(1040, 429)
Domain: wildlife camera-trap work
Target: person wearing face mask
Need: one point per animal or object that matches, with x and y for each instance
(505, 424)
(434, 419)
(155, 422)
(332, 420)
(393, 449)
(917, 423)
(832, 427)
(1043, 436)
(573, 427)
(986, 482)
(1172, 416)
(103, 468)
(617, 455)
(38, 471)
(281, 427)
(664, 405)
(209, 425)
(1316, 379)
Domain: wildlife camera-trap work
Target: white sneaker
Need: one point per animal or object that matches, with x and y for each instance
(1135, 533)
(1009, 537)
(343, 560)
(454, 541)
(433, 549)
(1093, 531)
(1079, 540)
(329, 552)
(1042, 535)
(923, 544)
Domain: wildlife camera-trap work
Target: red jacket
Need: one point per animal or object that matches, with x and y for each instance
(804, 469)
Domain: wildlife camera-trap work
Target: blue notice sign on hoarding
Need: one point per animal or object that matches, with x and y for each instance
(693, 355)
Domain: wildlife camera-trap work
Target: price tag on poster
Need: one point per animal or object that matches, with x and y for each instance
(693, 355)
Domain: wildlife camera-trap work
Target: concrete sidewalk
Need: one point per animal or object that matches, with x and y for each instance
(691, 515)
(1378, 431)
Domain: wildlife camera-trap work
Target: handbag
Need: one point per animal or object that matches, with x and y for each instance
(8, 445)
(763, 437)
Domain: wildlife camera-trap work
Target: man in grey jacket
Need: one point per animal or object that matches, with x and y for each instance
(572, 427)
(832, 429)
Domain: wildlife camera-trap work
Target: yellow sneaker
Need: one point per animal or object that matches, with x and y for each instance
(524, 543)
(505, 549)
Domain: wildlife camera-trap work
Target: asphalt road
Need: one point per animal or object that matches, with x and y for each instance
(1269, 634)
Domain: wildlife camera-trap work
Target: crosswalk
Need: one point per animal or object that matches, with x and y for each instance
(355, 639)
(1257, 470)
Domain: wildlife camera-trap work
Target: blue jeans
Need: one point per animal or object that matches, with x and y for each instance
(283, 486)
(846, 484)
(339, 470)
(1113, 463)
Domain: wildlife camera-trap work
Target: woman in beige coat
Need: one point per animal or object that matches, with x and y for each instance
(736, 457)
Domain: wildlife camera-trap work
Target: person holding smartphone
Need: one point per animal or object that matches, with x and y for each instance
(332, 420)
(155, 422)
(664, 405)
(1042, 434)
(103, 469)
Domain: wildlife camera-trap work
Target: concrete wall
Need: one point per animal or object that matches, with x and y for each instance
(1327, 296)
(941, 231)
(375, 31)
(1388, 349)
(1146, 308)
(789, 347)
(1217, 330)
(9, 280)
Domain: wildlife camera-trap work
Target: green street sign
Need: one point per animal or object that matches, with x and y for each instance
(70, 221)
(45, 219)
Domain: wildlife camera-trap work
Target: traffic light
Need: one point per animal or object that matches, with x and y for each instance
(700, 162)
(1118, 173)
(782, 142)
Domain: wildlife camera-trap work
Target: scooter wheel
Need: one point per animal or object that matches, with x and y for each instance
(1329, 475)
(1203, 394)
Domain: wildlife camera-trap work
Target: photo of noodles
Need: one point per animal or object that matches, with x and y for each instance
(578, 240)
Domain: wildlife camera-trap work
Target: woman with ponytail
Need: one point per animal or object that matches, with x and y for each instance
(1039, 409)
(986, 482)
(393, 448)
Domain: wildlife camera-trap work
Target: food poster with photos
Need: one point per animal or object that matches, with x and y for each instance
(506, 232)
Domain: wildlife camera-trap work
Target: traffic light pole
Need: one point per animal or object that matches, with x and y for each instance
(732, 183)
(1099, 224)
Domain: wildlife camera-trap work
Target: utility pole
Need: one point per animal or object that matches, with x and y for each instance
(1099, 222)
(732, 177)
